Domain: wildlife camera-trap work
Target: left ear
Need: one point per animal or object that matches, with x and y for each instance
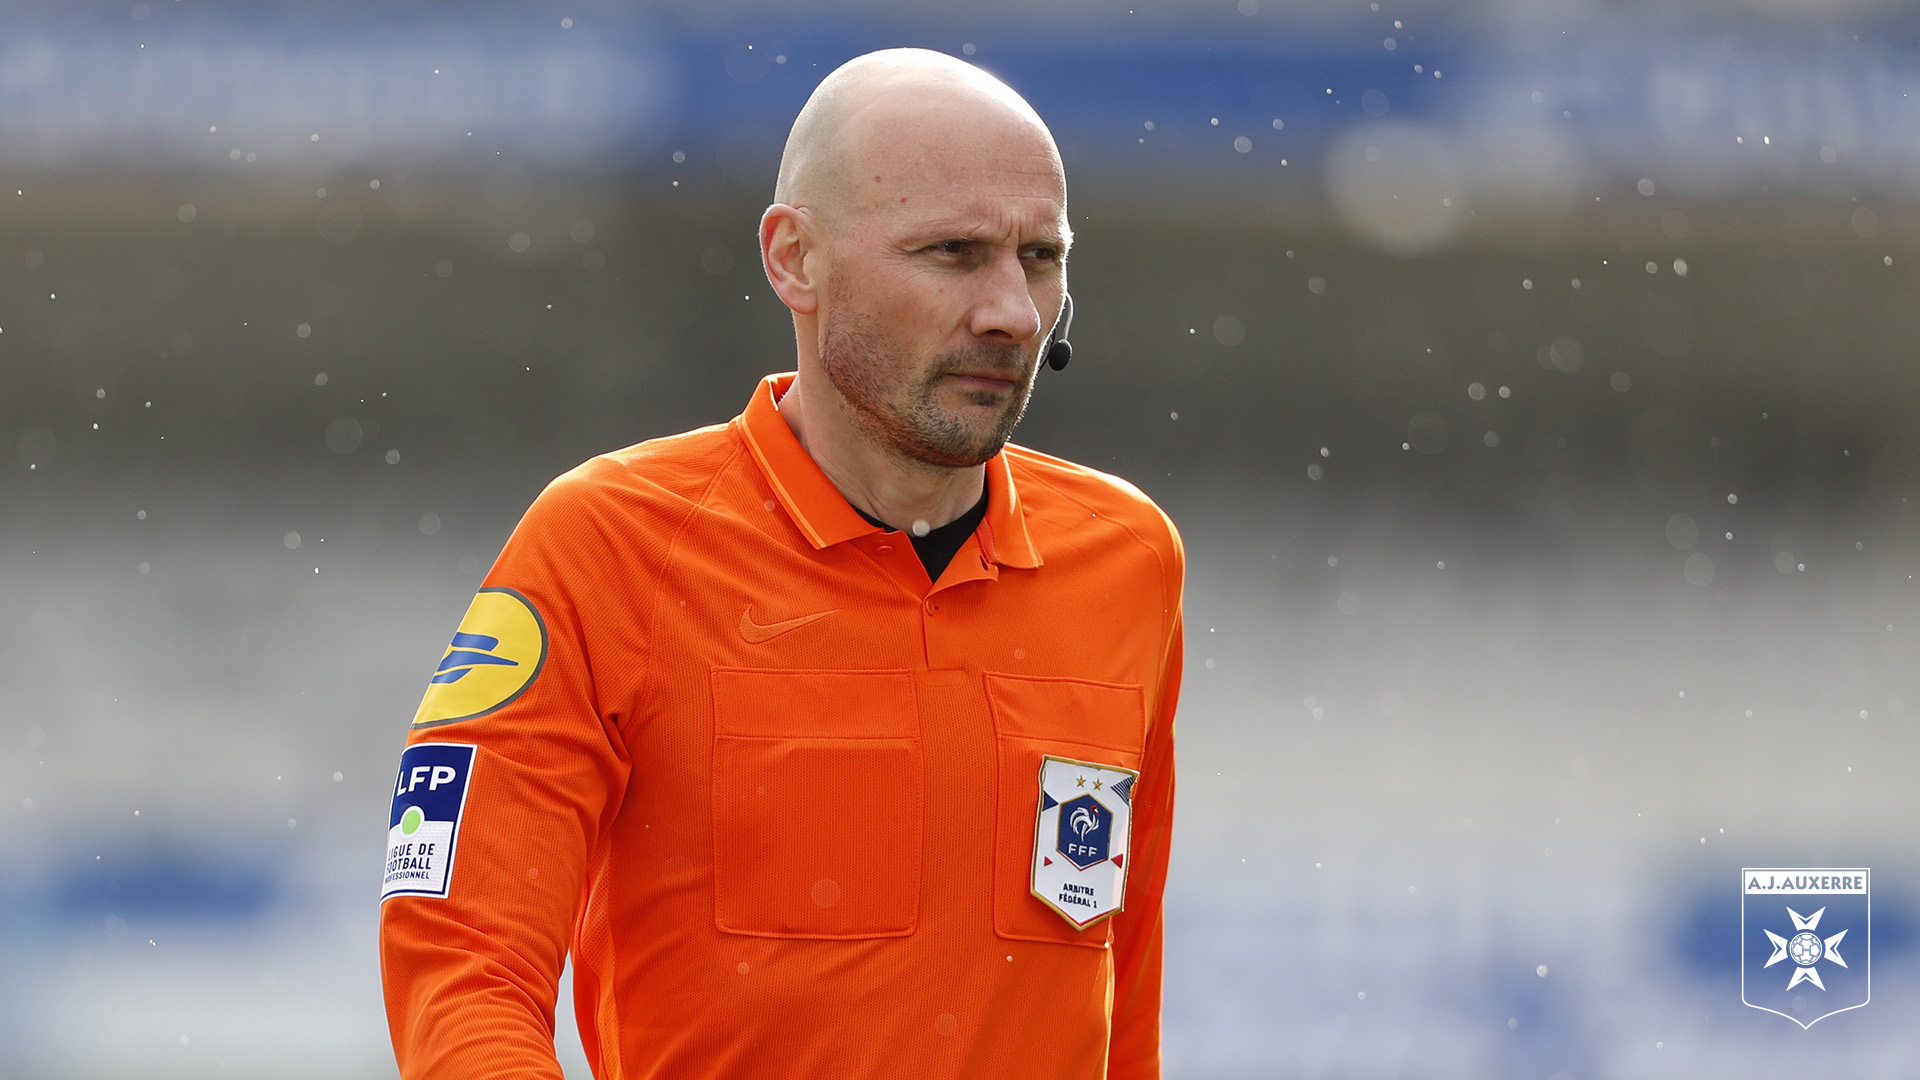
(788, 255)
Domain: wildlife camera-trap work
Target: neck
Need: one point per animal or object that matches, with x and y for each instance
(897, 490)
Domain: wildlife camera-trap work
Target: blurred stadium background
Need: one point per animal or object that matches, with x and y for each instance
(1534, 383)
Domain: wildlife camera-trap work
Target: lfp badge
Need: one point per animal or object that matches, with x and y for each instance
(1805, 941)
(1080, 838)
(429, 798)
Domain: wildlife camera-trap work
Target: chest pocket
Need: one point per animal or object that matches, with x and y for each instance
(818, 803)
(1101, 723)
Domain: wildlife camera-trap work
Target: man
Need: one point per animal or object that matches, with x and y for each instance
(835, 741)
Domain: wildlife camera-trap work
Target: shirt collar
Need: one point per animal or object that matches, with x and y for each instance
(823, 514)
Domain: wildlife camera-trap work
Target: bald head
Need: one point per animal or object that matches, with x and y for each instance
(895, 110)
(919, 236)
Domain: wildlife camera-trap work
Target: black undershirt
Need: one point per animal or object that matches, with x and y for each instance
(938, 547)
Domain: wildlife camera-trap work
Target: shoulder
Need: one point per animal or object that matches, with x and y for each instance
(1056, 491)
(632, 500)
(661, 475)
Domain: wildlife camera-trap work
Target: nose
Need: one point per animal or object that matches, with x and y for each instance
(1005, 310)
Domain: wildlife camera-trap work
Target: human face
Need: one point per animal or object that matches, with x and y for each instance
(938, 297)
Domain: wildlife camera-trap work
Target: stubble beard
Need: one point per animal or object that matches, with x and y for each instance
(899, 409)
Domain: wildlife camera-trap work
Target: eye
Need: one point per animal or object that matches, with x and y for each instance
(953, 247)
(1042, 253)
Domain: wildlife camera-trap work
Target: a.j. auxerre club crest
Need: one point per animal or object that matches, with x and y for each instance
(1080, 838)
(1805, 941)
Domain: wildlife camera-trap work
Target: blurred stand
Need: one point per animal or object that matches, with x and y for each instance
(1532, 385)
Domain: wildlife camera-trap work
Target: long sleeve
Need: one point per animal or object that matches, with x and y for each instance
(471, 976)
(1134, 1052)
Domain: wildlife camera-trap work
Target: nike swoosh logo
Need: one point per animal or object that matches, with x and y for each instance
(756, 633)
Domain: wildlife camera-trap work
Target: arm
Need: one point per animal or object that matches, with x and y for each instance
(471, 976)
(1134, 1052)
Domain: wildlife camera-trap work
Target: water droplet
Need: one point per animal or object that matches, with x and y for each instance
(343, 435)
(1698, 570)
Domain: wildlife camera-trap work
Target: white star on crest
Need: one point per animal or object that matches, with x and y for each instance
(1830, 950)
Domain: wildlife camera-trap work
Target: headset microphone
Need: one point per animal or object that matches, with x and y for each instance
(1059, 350)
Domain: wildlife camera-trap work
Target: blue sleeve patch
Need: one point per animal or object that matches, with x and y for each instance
(429, 796)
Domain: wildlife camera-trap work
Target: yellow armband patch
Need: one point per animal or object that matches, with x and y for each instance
(495, 655)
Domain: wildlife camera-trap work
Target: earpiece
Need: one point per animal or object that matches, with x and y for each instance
(1059, 350)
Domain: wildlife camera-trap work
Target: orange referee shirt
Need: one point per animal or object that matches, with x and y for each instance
(796, 810)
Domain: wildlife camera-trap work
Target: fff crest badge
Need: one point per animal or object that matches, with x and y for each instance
(1805, 941)
(1080, 838)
